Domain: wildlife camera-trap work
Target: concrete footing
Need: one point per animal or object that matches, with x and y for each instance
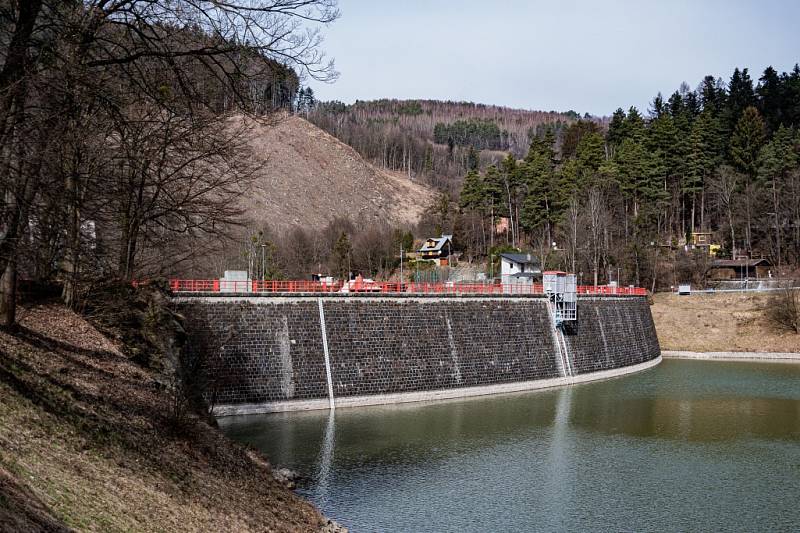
(758, 357)
(432, 395)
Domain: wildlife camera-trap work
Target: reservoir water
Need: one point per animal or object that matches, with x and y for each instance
(686, 446)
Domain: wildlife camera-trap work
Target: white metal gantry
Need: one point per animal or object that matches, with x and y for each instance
(562, 291)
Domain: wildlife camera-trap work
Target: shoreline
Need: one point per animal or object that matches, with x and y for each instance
(751, 357)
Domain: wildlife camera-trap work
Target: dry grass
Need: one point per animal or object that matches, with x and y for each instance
(85, 442)
(719, 322)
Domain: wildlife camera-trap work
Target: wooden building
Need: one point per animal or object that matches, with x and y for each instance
(437, 250)
(723, 269)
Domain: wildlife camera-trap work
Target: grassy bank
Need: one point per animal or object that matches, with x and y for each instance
(86, 443)
(719, 322)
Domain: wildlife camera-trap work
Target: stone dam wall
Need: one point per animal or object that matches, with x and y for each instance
(265, 354)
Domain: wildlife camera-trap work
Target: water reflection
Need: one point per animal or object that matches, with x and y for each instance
(559, 477)
(689, 446)
(721, 401)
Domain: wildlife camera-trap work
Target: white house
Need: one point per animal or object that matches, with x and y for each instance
(518, 271)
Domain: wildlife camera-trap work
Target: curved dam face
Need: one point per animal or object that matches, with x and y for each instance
(266, 354)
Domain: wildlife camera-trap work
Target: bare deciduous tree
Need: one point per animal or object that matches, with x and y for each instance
(134, 92)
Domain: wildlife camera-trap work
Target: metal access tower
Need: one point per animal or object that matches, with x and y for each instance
(562, 291)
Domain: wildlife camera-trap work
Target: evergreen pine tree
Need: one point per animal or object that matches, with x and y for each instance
(310, 99)
(740, 96)
(770, 92)
(549, 147)
(473, 192)
(700, 163)
(745, 145)
(777, 159)
(590, 153)
(342, 252)
(657, 107)
(616, 128)
(746, 142)
(691, 104)
(473, 159)
(675, 104)
(711, 94)
(634, 125)
(792, 98)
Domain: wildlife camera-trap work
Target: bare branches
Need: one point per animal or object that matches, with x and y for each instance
(273, 29)
(113, 121)
(783, 310)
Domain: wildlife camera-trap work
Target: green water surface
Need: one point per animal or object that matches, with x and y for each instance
(686, 446)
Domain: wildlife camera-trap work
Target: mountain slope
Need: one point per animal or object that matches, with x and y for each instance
(431, 139)
(307, 177)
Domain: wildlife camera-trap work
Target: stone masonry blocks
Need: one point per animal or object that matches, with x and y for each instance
(261, 350)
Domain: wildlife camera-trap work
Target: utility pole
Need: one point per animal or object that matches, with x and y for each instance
(263, 261)
(401, 269)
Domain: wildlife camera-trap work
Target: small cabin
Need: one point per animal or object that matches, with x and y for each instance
(723, 269)
(701, 238)
(437, 249)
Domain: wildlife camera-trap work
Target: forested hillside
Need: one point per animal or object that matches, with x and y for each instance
(116, 149)
(432, 141)
(622, 200)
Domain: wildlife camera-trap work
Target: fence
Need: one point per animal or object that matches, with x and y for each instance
(383, 287)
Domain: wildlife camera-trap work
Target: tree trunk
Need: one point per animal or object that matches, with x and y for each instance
(483, 231)
(776, 207)
(733, 236)
(71, 263)
(128, 253)
(683, 216)
(17, 58)
(510, 214)
(655, 270)
(703, 209)
(8, 295)
(492, 229)
(748, 193)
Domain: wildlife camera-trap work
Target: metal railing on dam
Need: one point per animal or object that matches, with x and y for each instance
(381, 287)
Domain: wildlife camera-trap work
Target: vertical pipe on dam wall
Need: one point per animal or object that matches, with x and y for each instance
(326, 353)
(356, 347)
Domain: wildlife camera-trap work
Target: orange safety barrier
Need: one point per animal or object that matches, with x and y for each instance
(386, 287)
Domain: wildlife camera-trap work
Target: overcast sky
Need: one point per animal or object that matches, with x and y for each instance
(558, 54)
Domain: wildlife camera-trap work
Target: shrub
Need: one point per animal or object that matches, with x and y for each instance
(784, 310)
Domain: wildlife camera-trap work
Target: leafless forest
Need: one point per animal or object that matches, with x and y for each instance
(115, 148)
(402, 134)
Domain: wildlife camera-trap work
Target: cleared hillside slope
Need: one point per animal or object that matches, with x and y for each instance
(722, 322)
(307, 177)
